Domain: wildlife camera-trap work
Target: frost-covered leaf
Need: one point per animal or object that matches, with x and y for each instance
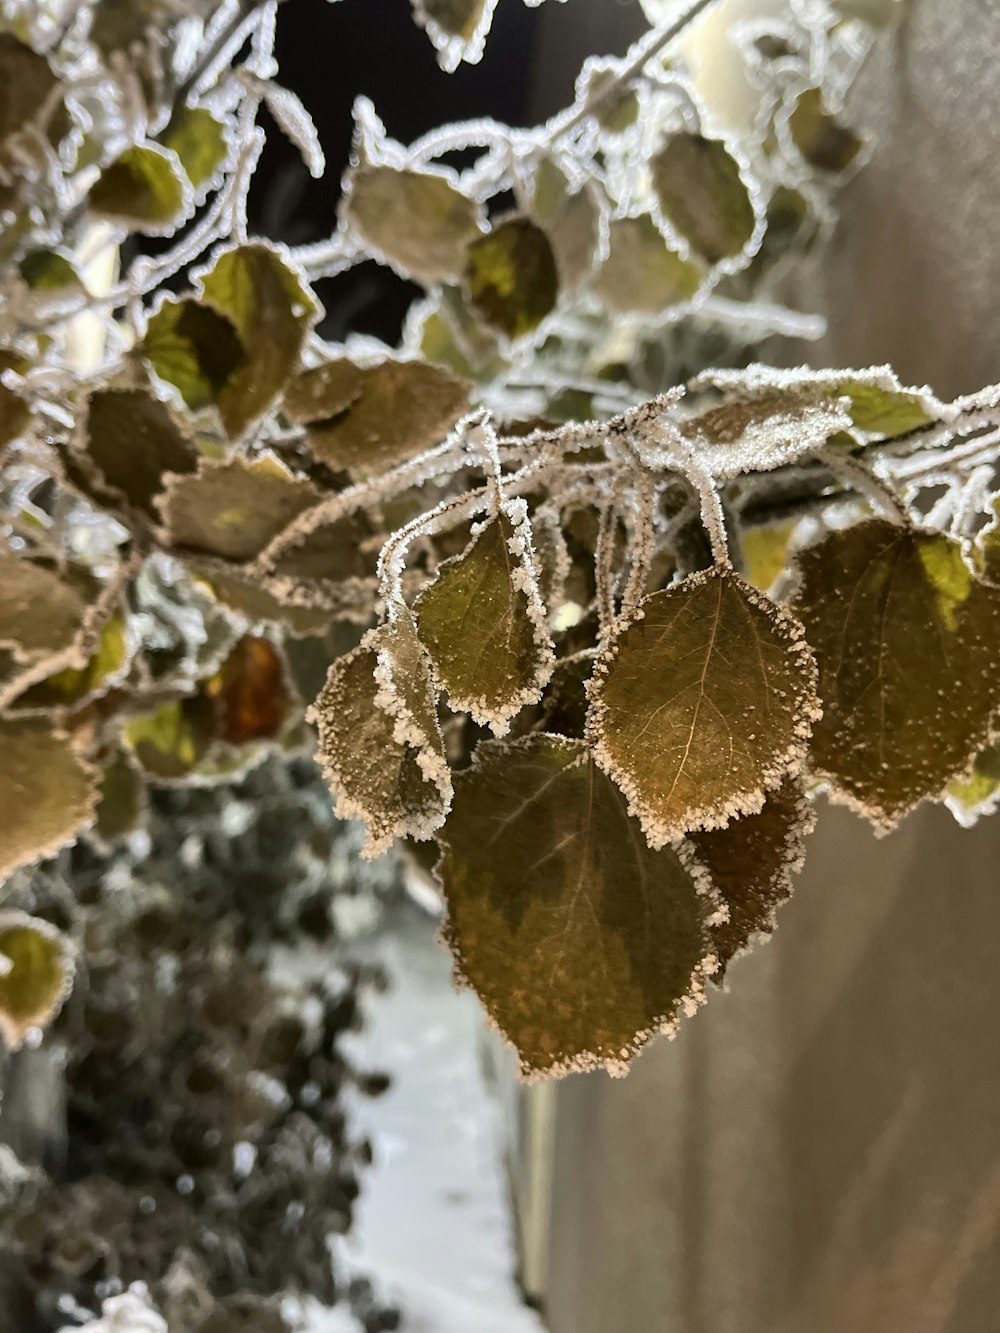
(250, 599)
(765, 431)
(704, 705)
(818, 135)
(641, 274)
(27, 82)
(46, 791)
(581, 942)
(575, 234)
(40, 613)
(380, 747)
(36, 974)
(200, 141)
(752, 863)
(370, 419)
(49, 271)
(250, 693)
(122, 800)
(886, 411)
(511, 276)
(906, 643)
(172, 739)
(72, 685)
(195, 349)
(458, 28)
(143, 188)
(969, 798)
(233, 507)
(133, 440)
(703, 195)
(416, 220)
(297, 125)
(483, 624)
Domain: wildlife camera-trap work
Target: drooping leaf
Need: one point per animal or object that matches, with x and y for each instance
(376, 772)
(704, 705)
(36, 975)
(818, 135)
(765, 431)
(752, 863)
(906, 643)
(40, 613)
(27, 82)
(143, 188)
(134, 440)
(703, 195)
(199, 139)
(581, 942)
(232, 508)
(195, 349)
(250, 693)
(511, 276)
(483, 624)
(381, 415)
(47, 792)
(416, 220)
(641, 274)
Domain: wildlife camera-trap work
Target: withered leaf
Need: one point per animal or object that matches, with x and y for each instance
(133, 440)
(417, 220)
(581, 942)
(703, 194)
(47, 792)
(704, 705)
(511, 276)
(641, 274)
(484, 626)
(752, 863)
(233, 507)
(36, 975)
(906, 643)
(143, 187)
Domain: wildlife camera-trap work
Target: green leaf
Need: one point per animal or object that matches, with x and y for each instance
(172, 739)
(752, 863)
(703, 195)
(40, 613)
(144, 189)
(765, 552)
(27, 83)
(122, 802)
(641, 274)
(818, 135)
(72, 685)
(36, 975)
(511, 276)
(704, 704)
(232, 507)
(885, 411)
(133, 440)
(370, 419)
(971, 797)
(194, 348)
(383, 766)
(581, 942)
(765, 431)
(49, 271)
(906, 641)
(483, 624)
(417, 221)
(49, 787)
(200, 141)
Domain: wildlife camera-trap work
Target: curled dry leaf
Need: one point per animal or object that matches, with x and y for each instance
(581, 942)
(906, 642)
(36, 975)
(703, 195)
(483, 623)
(47, 792)
(704, 704)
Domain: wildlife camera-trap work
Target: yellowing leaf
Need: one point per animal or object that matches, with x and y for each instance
(511, 276)
(233, 508)
(885, 411)
(641, 274)
(36, 975)
(40, 613)
(581, 942)
(194, 348)
(49, 271)
(47, 792)
(122, 798)
(142, 188)
(251, 696)
(171, 740)
(382, 765)
(416, 220)
(133, 440)
(906, 643)
(752, 863)
(818, 135)
(457, 28)
(704, 704)
(703, 194)
(199, 140)
(483, 624)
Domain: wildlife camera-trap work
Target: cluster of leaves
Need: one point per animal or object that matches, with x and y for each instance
(678, 619)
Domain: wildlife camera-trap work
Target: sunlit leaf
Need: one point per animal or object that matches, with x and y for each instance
(906, 643)
(641, 274)
(704, 705)
(233, 507)
(752, 863)
(36, 975)
(703, 195)
(765, 431)
(511, 276)
(199, 140)
(250, 693)
(581, 942)
(484, 626)
(195, 349)
(142, 188)
(40, 612)
(885, 411)
(47, 792)
(416, 220)
(133, 440)
(818, 135)
(765, 552)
